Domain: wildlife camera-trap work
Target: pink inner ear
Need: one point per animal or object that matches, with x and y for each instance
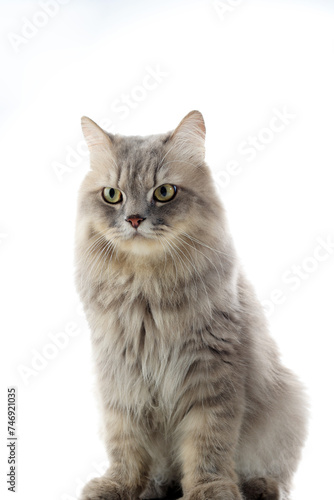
(95, 142)
(192, 123)
(93, 134)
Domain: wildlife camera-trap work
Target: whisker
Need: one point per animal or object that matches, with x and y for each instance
(164, 249)
(182, 262)
(204, 245)
(200, 277)
(89, 252)
(170, 250)
(96, 261)
(192, 246)
(104, 255)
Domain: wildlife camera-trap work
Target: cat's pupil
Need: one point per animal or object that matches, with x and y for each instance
(112, 193)
(163, 191)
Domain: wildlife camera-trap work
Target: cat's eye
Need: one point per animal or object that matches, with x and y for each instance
(112, 195)
(163, 193)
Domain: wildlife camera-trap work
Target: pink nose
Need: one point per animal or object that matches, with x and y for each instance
(135, 220)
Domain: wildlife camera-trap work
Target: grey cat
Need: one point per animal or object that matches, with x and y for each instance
(192, 391)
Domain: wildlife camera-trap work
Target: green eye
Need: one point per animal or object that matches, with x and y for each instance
(112, 195)
(166, 192)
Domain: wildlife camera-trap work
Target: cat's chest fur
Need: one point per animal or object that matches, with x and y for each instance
(141, 328)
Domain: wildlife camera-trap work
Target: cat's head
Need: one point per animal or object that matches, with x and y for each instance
(144, 194)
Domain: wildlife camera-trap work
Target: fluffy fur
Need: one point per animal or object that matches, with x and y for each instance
(192, 391)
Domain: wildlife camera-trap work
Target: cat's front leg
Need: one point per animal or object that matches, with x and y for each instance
(209, 434)
(129, 462)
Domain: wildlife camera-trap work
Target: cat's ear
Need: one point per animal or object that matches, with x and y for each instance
(189, 135)
(96, 138)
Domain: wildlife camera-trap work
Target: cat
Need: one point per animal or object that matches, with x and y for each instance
(192, 392)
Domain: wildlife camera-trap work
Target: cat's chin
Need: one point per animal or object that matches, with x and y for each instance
(141, 246)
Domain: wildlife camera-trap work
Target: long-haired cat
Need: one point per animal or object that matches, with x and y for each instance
(192, 391)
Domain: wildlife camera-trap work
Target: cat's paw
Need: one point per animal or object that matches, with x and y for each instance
(261, 488)
(103, 488)
(217, 490)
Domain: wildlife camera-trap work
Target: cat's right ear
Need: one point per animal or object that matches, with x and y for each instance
(96, 138)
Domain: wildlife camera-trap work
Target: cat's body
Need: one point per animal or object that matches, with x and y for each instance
(191, 387)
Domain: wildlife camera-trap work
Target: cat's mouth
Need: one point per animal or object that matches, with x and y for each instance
(140, 243)
(137, 235)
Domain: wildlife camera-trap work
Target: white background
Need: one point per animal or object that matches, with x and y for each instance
(237, 64)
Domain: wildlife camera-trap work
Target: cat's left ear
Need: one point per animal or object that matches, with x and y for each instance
(190, 135)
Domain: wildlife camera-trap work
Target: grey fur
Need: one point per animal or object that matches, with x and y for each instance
(191, 386)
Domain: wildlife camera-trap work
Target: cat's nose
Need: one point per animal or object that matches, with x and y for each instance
(135, 220)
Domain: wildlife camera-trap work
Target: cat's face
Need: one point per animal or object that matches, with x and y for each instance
(145, 194)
